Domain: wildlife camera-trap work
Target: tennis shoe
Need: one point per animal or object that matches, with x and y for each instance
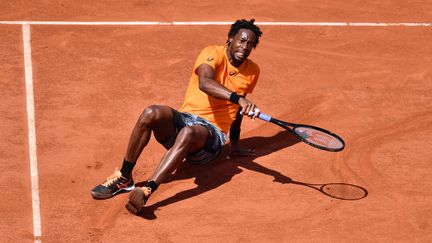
(113, 185)
(137, 199)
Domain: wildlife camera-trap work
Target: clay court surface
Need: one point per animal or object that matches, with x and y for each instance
(372, 85)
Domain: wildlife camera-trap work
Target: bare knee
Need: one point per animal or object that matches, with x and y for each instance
(150, 116)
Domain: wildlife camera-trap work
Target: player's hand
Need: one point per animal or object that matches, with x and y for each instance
(236, 151)
(248, 108)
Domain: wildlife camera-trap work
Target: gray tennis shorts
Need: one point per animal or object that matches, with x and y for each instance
(214, 144)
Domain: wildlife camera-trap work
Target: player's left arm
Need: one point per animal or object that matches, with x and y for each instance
(234, 135)
(235, 129)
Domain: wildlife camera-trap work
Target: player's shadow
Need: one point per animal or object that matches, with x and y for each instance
(210, 176)
(217, 173)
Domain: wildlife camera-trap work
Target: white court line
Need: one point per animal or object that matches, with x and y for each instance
(191, 23)
(28, 69)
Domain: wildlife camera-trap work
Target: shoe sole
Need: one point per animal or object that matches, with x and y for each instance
(137, 199)
(97, 195)
(131, 208)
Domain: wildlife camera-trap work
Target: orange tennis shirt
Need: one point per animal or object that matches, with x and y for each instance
(241, 80)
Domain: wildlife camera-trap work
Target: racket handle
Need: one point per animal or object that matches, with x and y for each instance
(261, 116)
(264, 117)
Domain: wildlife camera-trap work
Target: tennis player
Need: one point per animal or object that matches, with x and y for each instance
(214, 103)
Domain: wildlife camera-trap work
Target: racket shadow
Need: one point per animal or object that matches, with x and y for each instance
(338, 190)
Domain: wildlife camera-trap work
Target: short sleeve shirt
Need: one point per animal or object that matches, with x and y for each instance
(241, 80)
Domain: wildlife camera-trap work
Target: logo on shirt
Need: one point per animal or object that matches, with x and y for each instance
(209, 59)
(232, 73)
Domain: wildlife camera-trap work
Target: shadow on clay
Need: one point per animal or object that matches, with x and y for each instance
(217, 173)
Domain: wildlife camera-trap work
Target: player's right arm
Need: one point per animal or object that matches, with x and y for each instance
(208, 84)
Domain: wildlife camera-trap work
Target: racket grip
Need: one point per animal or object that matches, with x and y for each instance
(264, 117)
(261, 116)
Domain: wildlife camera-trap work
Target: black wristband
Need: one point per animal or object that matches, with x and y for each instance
(234, 134)
(234, 98)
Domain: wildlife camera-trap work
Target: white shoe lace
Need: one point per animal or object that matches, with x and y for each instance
(147, 190)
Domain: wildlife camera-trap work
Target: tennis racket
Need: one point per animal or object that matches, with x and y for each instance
(314, 136)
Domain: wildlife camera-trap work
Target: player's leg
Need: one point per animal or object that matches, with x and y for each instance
(158, 119)
(189, 141)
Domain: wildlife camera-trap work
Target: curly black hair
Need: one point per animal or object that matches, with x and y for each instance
(244, 24)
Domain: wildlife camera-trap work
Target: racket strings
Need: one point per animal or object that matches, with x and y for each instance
(319, 138)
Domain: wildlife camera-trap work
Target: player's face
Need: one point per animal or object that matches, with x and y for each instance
(240, 46)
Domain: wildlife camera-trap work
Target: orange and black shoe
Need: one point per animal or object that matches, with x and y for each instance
(113, 185)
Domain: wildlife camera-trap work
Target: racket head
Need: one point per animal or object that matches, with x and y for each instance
(314, 136)
(318, 137)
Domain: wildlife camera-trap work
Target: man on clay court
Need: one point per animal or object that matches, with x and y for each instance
(196, 133)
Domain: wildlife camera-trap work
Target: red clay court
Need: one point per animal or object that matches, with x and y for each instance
(362, 70)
